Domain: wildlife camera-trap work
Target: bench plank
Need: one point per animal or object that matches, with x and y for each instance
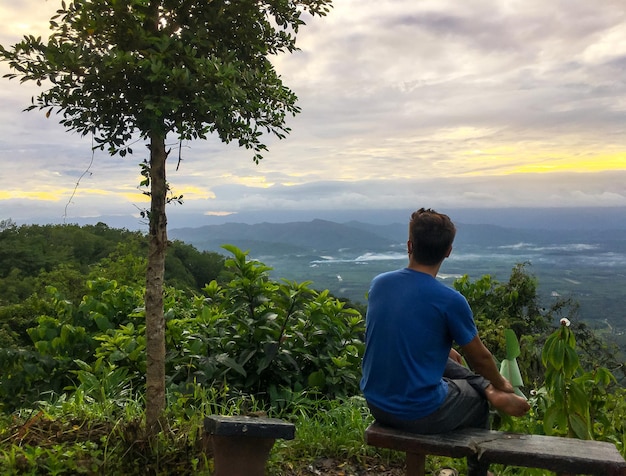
(453, 445)
(242, 444)
(248, 426)
(561, 455)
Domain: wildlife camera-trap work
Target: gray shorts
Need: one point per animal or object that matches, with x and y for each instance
(465, 406)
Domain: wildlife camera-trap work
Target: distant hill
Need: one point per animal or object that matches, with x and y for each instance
(572, 218)
(472, 234)
(319, 237)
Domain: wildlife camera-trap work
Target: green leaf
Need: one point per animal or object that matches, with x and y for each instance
(510, 371)
(579, 425)
(270, 349)
(555, 417)
(224, 359)
(512, 344)
(340, 362)
(570, 361)
(579, 400)
(103, 322)
(317, 379)
(556, 355)
(117, 355)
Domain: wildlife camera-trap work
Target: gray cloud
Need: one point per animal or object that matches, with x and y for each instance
(402, 102)
(563, 190)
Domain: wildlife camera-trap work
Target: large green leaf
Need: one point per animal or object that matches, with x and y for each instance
(510, 371)
(512, 344)
(230, 363)
(579, 425)
(317, 379)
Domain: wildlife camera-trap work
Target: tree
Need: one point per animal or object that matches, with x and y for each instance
(124, 70)
(7, 224)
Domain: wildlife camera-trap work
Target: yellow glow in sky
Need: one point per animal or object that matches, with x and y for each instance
(65, 194)
(574, 164)
(136, 197)
(45, 196)
(254, 181)
(509, 160)
(192, 191)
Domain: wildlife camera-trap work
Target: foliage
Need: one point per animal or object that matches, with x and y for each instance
(512, 305)
(574, 401)
(165, 66)
(509, 367)
(70, 436)
(246, 344)
(575, 397)
(69, 256)
(64, 336)
(74, 436)
(328, 428)
(594, 351)
(34, 256)
(16, 319)
(250, 334)
(570, 409)
(188, 269)
(266, 336)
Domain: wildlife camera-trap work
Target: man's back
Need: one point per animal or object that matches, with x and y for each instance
(411, 322)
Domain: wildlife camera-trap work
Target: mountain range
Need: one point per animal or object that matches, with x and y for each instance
(319, 237)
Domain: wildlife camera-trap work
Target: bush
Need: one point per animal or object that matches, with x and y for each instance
(258, 336)
(249, 335)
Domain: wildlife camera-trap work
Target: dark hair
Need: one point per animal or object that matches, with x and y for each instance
(431, 235)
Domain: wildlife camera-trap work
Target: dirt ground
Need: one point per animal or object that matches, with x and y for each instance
(335, 467)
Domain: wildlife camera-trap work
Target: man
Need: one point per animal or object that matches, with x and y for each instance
(412, 378)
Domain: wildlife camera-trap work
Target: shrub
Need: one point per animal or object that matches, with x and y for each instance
(249, 335)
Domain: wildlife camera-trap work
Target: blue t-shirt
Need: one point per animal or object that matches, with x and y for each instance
(412, 320)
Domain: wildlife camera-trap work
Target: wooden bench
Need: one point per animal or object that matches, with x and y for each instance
(241, 444)
(560, 455)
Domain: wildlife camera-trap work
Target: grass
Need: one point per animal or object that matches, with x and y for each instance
(82, 437)
(331, 429)
(78, 436)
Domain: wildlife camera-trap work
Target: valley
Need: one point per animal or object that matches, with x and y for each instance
(588, 266)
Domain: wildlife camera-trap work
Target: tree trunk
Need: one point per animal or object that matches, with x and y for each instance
(155, 320)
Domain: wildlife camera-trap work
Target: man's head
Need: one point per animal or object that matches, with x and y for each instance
(430, 236)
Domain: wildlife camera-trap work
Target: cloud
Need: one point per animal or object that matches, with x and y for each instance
(483, 103)
(563, 190)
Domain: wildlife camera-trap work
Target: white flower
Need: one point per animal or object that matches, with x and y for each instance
(565, 322)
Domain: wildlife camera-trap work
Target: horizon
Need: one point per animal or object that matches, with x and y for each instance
(555, 218)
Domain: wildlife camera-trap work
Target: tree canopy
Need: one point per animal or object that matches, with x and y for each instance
(121, 67)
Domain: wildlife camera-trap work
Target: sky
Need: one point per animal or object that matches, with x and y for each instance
(405, 103)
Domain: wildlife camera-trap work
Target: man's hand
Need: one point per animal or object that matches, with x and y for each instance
(454, 355)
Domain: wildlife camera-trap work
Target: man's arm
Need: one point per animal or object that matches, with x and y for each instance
(482, 362)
